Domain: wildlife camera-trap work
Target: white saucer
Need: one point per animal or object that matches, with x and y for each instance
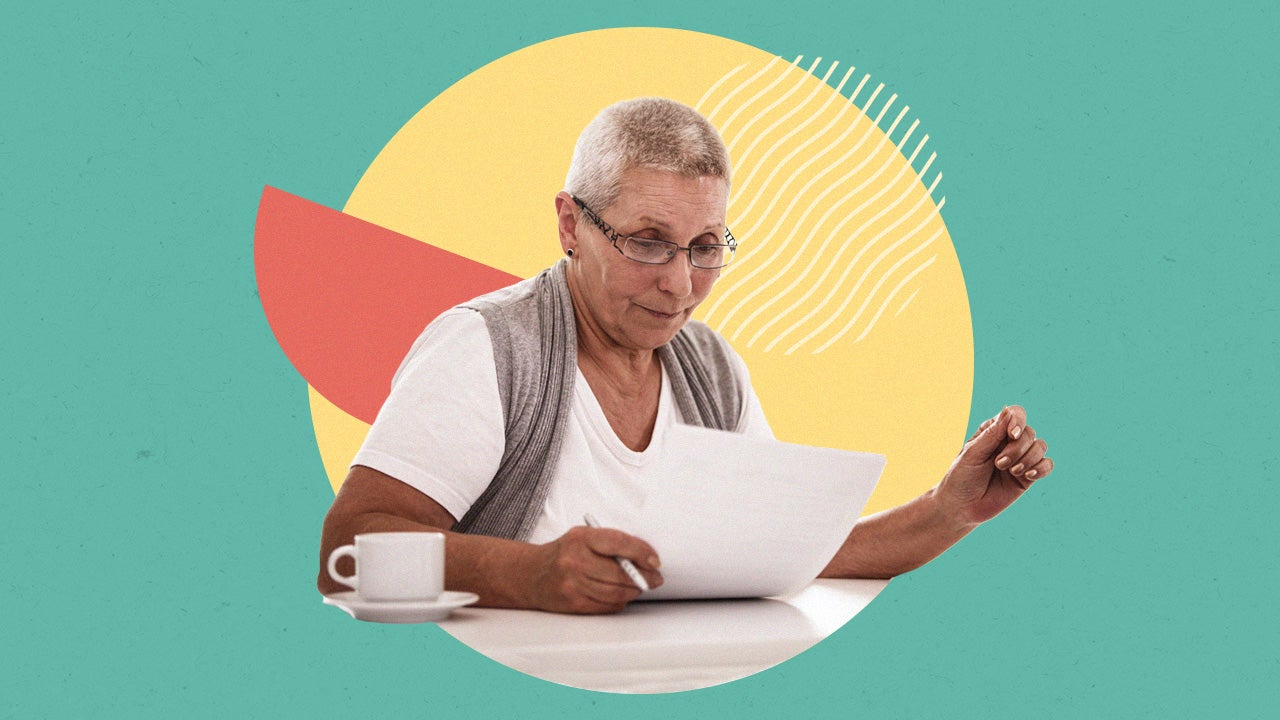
(402, 611)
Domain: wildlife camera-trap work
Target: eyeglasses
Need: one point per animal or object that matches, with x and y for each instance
(707, 256)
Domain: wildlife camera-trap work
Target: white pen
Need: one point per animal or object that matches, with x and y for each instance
(623, 563)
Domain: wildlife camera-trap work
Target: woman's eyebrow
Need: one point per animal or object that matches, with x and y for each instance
(661, 225)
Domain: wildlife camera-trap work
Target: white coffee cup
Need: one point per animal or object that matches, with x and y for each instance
(394, 566)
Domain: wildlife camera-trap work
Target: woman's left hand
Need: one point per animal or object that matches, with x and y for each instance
(1002, 459)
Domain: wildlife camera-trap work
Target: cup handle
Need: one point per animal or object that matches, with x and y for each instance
(348, 580)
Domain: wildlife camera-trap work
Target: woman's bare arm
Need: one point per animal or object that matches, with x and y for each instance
(575, 573)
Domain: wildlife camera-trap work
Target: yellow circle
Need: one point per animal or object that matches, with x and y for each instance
(846, 301)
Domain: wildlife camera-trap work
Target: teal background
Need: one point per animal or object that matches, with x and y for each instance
(1110, 175)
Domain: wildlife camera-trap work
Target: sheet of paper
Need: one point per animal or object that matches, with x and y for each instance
(736, 517)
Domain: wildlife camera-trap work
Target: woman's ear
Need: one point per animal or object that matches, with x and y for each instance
(567, 221)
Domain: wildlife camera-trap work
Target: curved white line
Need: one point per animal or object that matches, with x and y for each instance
(760, 115)
(892, 294)
(796, 228)
(862, 278)
(742, 85)
(851, 238)
(831, 261)
(882, 280)
(876, 318)
(853, 96)
(723, 79)
(908, 302)
(813, 137)
(796, 198)
(816, 202)
(741, 159)
(776, 196)
(724, 126)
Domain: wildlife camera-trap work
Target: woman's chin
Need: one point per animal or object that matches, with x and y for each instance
(648, 337)
(654, 339)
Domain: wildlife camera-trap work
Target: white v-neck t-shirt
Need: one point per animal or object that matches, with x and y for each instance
(441, 431)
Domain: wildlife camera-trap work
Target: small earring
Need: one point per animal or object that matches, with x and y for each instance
(569, 252)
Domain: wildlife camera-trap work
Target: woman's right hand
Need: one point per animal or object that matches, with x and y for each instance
(578, 572)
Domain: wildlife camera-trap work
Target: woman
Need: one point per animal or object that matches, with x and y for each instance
(517, 411)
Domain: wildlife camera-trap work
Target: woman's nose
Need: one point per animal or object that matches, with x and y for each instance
(676, 277)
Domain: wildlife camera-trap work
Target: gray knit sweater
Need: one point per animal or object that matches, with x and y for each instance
(535, 349)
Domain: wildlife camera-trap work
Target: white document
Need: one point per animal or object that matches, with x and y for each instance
(735, 517)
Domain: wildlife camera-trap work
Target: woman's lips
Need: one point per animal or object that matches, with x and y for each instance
(659, 315)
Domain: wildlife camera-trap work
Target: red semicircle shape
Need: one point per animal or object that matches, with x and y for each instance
(346, 298)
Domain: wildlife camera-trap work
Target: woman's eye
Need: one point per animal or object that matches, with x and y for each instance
(707, 253)
(650, 248)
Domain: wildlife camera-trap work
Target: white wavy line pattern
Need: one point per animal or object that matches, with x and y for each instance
(766, 225)
(738, 88)
(865, 275)
(762, 92)
(907, 302)
(821, 254)
(746, 130)
(828, 260)
(771, 116)
(723, 79)
(840, 283)
(892, 294)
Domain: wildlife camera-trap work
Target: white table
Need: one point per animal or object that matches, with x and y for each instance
(663, 646)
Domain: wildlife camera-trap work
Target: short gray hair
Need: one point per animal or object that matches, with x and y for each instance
(648, 132)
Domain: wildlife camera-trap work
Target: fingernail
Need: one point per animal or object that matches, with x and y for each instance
(653, 562)
(1002, 462)
(1031, 475)
(1016, 469)
(1017, 432)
